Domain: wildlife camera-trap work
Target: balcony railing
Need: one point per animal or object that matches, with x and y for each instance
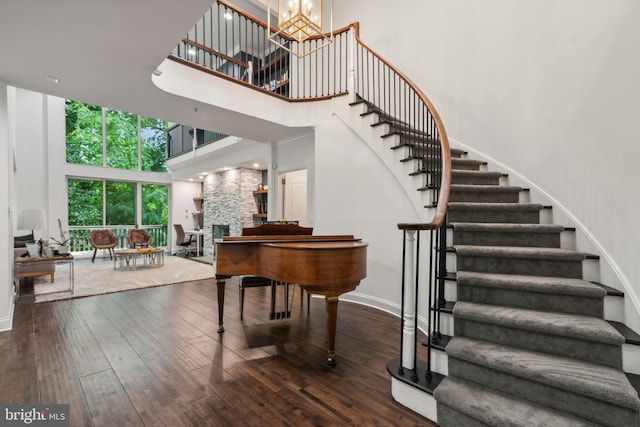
(180, 139)
(232, 44)
(80, 236)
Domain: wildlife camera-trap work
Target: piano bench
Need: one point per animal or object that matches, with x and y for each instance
(250, 282)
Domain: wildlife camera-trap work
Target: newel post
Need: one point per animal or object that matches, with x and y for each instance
(408, 303)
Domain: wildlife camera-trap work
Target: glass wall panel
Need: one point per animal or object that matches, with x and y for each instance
(122, 139)
(153, 133)
(85, 202)
(120, 203)
(155, 203)
(84, 133)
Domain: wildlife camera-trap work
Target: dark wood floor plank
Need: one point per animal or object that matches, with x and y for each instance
(160, 361)
(58, 381)
(18, 369)
(108, 402)
(86, 353)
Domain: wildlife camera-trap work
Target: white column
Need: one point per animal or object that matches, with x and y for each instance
(408, 330)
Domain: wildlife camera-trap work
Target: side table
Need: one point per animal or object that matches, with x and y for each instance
(24, 265)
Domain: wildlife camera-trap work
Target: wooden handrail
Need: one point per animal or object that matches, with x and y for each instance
(214, 52)
(445, 184)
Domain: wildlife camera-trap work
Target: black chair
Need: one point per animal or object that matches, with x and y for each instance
(182, 241)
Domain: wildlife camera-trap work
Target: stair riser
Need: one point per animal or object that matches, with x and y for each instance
(579, 349)
(614, 308)
(533, 240)
(631, 358)
(494, 216)
(474, 179)
(569, 304)
(533, 267)
(439, 361)
(563, 400)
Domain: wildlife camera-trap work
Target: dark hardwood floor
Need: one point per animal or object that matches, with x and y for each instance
(153, 357)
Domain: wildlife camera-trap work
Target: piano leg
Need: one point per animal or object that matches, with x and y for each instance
(220, 282)
(332, 316)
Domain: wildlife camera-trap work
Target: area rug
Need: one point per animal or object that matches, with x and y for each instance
(100, 278)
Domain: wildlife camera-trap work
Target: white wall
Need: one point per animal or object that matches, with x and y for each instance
(287, 156)
(6, 222)
(183, 206)
(356, 194)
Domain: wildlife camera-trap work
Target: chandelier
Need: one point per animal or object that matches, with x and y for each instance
(299, 21)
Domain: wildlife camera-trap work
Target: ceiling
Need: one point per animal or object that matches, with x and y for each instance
(104, 52)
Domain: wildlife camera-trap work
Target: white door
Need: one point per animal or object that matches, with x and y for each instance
(294, 196)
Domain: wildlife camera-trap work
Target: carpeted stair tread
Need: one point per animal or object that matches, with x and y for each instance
(495, 206)
(490, 407)
(540, 284)
(506, 227)
(594, 381)
(477, 173)
(466, 164)
(486, 188)
(587, 328)
(519, 252)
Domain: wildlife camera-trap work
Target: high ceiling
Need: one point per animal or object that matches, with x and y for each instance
(104, 52)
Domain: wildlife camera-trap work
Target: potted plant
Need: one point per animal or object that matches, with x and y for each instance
(63, 243)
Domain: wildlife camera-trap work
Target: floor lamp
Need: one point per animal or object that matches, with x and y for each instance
(33, 219)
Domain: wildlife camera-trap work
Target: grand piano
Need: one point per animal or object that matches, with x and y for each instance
(324, 265)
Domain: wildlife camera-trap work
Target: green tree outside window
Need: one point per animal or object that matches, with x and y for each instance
(85, 202)
(84, 133)
(155, 203)
(120, 203)
(153, 134)
(122, 139)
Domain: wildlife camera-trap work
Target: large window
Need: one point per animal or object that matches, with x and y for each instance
(108, 138)
(105, 137)
(153, 135)
(85, 203)
(120, 206)
(97, 203)
(84, 133)
(155, 203)
(122, 139)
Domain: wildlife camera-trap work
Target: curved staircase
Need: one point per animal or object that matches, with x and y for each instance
(529, 346)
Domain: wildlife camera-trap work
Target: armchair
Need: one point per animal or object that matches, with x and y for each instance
(102, 239)
(139, 238)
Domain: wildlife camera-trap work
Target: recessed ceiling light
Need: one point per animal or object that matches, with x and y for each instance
(190, 179)
(201, 177)
(228, 16)
(191, 51)
(255, 165)
(53, 79)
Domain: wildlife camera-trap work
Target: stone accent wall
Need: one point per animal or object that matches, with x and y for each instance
(228, 199)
